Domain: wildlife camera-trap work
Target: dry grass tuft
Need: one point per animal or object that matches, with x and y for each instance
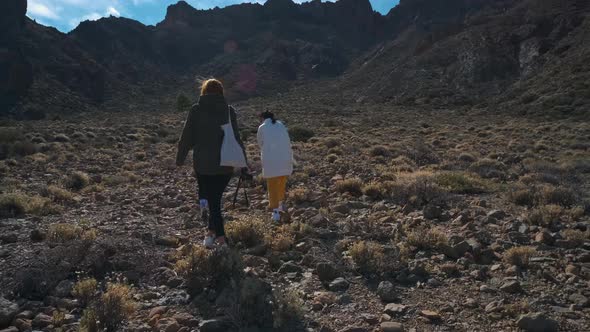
(77, 181)
(369, 257)
(375, 190)
(85, 291)
(545, 215)
(576, 237)
(114, 306)
(351, 186)
(300, 195)
(61, 232)
(288, 306)
(519, 256)
(416, 189)
(460, 183)
(431, 239)
(203, 268)
(18, 204)
(247, 232)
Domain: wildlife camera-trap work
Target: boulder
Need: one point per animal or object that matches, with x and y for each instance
(537, 322)
(326, 272)
(387, 292)
(392, 327)
(8, 310)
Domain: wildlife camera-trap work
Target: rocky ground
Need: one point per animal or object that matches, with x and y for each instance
(398, 221)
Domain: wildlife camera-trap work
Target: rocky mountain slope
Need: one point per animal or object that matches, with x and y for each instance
(530, 54)
(457, 52)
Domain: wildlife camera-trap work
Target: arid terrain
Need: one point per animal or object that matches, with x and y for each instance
(437, 220)
(442, 184)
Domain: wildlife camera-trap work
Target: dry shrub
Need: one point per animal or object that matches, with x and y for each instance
(77, 181)
(523, 197)
(300, 195)
(519, 256)
(558, 195)
(422, 154)
(89, 321)
(282, 239)
(85, 291)
(375, 190)
(431, 239)
(369, 257)
(288, 306)
(516, 309)
(300, 134)
(541, 166)
(416, 189)
(61, 232)
(467, 157)
(351, 186)
(450, 269)
(18, 204)
(114, 306)
(545, 215)
(122, 178)
(331, 142)
(403, 164)
(57, 194)
(534, 178)
(460, 183)
(332, 158)
(489, 168)
(576, 237)
(379, 151)
(204, 268)
(247, 232)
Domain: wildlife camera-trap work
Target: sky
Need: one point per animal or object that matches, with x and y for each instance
(65, 15)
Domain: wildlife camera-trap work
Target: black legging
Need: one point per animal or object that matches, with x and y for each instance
(211, 188)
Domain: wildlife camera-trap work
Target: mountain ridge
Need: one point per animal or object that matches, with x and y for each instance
(423, 52)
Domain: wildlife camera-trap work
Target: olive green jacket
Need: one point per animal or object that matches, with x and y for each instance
(203, 134)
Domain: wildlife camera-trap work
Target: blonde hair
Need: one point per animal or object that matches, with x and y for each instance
(211, 87)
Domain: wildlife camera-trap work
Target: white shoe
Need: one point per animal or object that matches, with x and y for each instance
(209, 242)
(276, 215)
(204, 207)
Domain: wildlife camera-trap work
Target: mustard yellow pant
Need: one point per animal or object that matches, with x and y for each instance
(277, 188)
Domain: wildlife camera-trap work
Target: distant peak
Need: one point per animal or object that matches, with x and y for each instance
(178, 10)
(279, 4)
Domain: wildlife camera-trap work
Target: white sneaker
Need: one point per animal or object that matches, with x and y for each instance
(209, 242)
(204, 207)
(276, 215)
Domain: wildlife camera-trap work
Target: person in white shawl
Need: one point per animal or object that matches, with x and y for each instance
(277, 160)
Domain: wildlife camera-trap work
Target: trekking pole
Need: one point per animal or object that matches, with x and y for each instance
(237, 191)
(246, 196)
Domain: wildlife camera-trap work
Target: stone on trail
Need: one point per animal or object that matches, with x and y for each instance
(431, 315)
(537, 322)
(338, 284)
(392, 327)
(290, 267)
(8, 310)
(354, 329)
(511, 287)
(215, 325)
(326, 272)
(580, 300)
(386, 291)
(42, 320)
(393, 309)
(10, 329)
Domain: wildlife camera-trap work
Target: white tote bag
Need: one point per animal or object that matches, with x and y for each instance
(232, 154)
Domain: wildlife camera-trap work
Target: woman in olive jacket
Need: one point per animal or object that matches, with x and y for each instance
(203, 134)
